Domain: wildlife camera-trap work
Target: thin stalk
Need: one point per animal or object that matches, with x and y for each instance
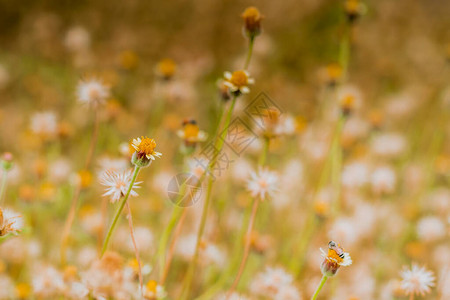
(251, 41)
(174, 218)
(136, 250)
(246, 248)
(336, 166)
(176, 234)
(104, 215)
(218, 145)
(3, 184)
(322, 282)
(76, 195)
(91, 149)
(119, 210)
(344, 51)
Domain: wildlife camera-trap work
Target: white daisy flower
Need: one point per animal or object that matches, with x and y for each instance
(262, 183)
(238, 81)
(93, 92)
(117, 184)
(417, 280)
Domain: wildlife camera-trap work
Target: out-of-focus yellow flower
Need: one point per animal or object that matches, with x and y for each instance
(191, 133)
(70, 273)
(415, 250)
(23, 290)
(166, 68)
(128, 59)
(85, 178)
(47, 191)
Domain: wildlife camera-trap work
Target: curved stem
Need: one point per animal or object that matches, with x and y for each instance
(119, 211)
(322, 282)
(247, 247)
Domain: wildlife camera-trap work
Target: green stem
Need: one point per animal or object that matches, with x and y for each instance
(218, 145)
(161, 254)
(322, 282)
(250, 51)
(336, 166)
(344, 52)
(3, 185)
(119, 210)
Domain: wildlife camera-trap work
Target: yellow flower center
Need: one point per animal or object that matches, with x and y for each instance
(167, 67)
(334, 71)
(151, 286)
(191, 130)
(251, 14)
(239, 78)
(332, 254)
(348, 101)
(23, 290)
(352, 6)
(147, 145)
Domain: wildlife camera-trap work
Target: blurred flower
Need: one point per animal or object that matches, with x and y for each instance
(334, 259)
(389, 145)
(10, 222)
(93, 92)
(238, 82)
(262, 183)
(355, 174)
(166, 68)
(44, 124)
(224, 90)
(191, 134)
(430, 229)
(252, 21)
(354, 9)
(383, 180)
(274, 283)
(117, 184)
(77, 39)
(417, 280)
(47, 282)
(154, 291)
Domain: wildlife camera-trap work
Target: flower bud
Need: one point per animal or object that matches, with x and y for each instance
(252, 21)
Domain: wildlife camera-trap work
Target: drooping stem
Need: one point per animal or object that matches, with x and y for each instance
(119, 210)
(176, 234)
(246, 248)
(322, 282)
(218, 146)
(136, 250)
(251, 41)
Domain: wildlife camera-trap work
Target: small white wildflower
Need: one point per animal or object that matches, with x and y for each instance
(417, 280)
(262, 183)
(117, 184)
(93, 92)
